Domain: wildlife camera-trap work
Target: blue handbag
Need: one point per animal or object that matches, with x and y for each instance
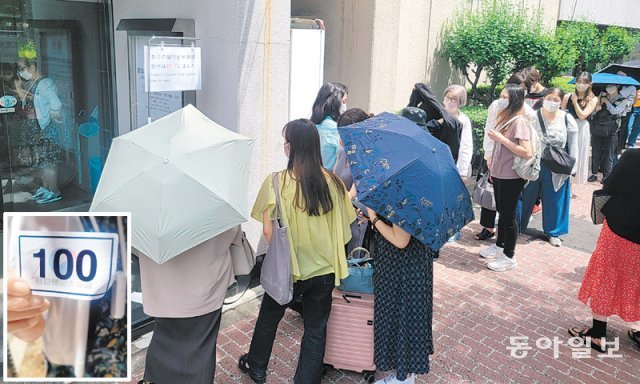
(360, 279)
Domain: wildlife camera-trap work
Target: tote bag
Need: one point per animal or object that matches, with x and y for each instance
(275, 276)
(483, 193)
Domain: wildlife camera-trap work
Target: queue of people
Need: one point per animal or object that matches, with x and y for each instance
(314, 196)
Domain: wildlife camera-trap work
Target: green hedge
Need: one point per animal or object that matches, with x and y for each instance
(478, 116)
(561, 82)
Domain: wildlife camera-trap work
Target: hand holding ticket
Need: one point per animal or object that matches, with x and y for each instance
(24, 311)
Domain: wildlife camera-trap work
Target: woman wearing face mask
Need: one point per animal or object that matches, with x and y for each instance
(330, 103)
(554, 189)
(487, 216)
(512, 135)
(42, 123)
(317, 210)
(604, 129)
(581, 105)
(455, 97)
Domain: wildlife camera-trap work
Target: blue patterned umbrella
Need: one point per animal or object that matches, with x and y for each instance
(408, 176)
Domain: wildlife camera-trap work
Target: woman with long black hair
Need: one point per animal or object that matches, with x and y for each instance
(330, 103)
(317, 210)
(581, 104)
(511, 137)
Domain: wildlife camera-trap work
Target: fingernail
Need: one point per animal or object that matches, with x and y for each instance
(21, 286)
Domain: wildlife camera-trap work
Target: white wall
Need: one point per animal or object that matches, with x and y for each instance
(245, 64)
(348, 43)
(623, 13)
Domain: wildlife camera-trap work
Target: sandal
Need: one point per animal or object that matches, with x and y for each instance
(635, 336)
(583, 334)
(485, 234)
(258, 377)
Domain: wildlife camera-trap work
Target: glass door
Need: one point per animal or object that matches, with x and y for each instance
(55, 60)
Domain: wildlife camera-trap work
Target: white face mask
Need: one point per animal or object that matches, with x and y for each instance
(612, 90)
(551, 106)
(502, 103)
(343, 108)
(582, 87)
(26, 75)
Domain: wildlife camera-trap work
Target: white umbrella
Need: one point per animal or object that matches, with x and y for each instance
(184, 178)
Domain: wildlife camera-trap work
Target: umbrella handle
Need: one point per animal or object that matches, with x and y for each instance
(350, 256)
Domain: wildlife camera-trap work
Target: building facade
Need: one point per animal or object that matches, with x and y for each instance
(87, 54)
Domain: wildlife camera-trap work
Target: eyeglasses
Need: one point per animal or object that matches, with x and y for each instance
(451, 99)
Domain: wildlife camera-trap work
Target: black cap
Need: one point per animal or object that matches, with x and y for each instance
(415, 114)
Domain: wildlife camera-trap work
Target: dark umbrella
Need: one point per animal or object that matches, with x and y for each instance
(407, 176)
(631, 70)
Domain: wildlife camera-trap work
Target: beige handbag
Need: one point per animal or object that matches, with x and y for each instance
(243, 257)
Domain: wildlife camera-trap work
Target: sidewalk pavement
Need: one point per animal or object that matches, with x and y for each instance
(476, 311)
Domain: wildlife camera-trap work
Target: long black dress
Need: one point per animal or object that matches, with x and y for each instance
(403, 307)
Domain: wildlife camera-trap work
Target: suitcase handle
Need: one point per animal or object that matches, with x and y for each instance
(346, 296)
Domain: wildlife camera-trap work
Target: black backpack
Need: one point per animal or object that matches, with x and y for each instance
(604, 123)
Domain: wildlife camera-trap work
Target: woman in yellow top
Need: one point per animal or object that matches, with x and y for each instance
(317, 211)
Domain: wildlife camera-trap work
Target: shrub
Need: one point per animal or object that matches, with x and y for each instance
(478, 116)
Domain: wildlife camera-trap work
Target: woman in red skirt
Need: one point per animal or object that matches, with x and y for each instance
(611, 283)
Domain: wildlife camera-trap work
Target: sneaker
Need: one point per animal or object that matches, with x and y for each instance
(555, 241)
(391, 379)
(592, 178)
(502, 263)
(39, 193)
(49, 197)
(491, 252)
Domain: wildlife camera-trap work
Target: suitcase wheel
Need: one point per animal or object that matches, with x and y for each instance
(369, 376)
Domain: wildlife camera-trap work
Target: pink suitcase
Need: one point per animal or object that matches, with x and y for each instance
(350, 333)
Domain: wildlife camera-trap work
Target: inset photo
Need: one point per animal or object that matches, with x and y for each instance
(66, 304)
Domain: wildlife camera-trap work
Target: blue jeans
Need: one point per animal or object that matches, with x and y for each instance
(634, 127)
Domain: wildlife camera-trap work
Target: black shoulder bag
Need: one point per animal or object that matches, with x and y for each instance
(557, 159)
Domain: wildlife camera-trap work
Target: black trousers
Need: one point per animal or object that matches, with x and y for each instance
(507, 192)
(316, 301)
(487, 216)
(602, 150)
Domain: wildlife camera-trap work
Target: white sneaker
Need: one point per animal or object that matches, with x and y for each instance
(391, 379)
(491, 252)
(502, 263)
(555, 241)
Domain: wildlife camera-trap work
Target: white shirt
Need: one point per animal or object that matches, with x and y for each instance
(629, 92)
(492, 117)
(466, 145)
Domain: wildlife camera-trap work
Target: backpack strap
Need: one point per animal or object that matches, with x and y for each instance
(504, 126)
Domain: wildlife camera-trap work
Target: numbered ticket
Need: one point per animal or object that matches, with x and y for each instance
(77, 265)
